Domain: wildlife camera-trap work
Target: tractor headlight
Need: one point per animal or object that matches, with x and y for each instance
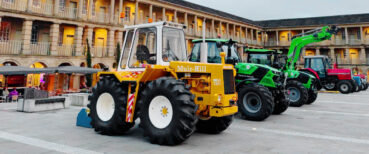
(219, 98)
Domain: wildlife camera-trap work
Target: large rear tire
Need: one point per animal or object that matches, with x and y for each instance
(298, 94)
(167, 111)
(313, 95)
(214, 125)
(255, 102)
(344, 87)
(107, 106)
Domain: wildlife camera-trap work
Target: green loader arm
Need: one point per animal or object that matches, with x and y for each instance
(301, 40)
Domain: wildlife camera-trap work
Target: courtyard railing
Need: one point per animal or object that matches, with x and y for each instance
(40, 48)
(19, 5)
(99, 51)
(66, 50)
(10, 47)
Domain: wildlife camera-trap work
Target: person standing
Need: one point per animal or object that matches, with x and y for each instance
(13, 94)
(5, 94)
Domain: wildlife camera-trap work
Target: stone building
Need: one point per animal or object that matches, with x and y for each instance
(51, 33)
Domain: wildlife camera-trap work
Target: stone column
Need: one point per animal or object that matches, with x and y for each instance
(112, 12)
(186, 19)
(56, 7)
(317, 51)
(54, 38)
(362, 35)
(363, 56)
(90, 31)
(240, 35)
(120, 11)
(119, 38)
(277, 35)
(196, 25)
(347, 53)
(29, 5)
(164, 16)
(246, 35)
(212, 28)
(257, 36)
(80, 8)
(332, 55)
(303, 52)
(220, 29)
(78, 40)
(90, 7)
(290, 35)
(111, 42)
(346, 36)
(26, 36)
(175, 16)
(252, 36)
(262, 37)
(234, 32)
(136, 13)
(150, 11)
(227, 31)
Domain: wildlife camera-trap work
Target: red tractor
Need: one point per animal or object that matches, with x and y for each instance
(330, 78)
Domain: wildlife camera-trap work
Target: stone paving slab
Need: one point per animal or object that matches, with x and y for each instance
(336, 123)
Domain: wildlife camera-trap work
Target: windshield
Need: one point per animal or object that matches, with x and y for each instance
(213, 52)
(260, 58)
(174, 46)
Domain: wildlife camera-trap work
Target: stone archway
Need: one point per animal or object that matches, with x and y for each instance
(65, 64)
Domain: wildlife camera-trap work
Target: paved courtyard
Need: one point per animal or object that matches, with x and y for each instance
(336, 123)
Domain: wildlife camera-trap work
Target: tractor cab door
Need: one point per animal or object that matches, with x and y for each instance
(318, 65)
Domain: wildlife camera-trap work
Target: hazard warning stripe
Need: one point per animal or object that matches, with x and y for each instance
(131, 98)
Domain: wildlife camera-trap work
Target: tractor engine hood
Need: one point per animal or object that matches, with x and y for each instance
(341, 73)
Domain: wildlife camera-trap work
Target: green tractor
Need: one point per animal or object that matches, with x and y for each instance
(303, 84)
(300, 85)
(261, 88)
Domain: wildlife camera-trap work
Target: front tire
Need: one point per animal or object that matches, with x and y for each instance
(344, 87)
(281, 105)
(255, 102)
(330, 86)
(107, 106)
(298, 93)
(214, 125)
(167, 111)
(313, 95)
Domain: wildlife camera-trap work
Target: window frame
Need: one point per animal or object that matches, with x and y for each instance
(132, 44)
(162, 41)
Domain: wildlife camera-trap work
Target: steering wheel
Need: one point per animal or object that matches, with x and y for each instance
(170, 55)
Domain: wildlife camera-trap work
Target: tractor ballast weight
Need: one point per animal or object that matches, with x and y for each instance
(154, 83)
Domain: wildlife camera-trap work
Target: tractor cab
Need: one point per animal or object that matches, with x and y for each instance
(215, 47)
(320, 64)
(141, 49)
(267, 57)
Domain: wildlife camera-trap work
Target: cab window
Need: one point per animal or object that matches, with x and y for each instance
(260, 59)
(126, 49)
(318, 66)
(144, 48)
(173, 45)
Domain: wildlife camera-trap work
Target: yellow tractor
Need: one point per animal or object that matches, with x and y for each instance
(155, 83)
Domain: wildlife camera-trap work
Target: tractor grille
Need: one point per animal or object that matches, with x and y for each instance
(228, 81)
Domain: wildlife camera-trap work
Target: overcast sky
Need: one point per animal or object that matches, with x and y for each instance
(281, 9)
